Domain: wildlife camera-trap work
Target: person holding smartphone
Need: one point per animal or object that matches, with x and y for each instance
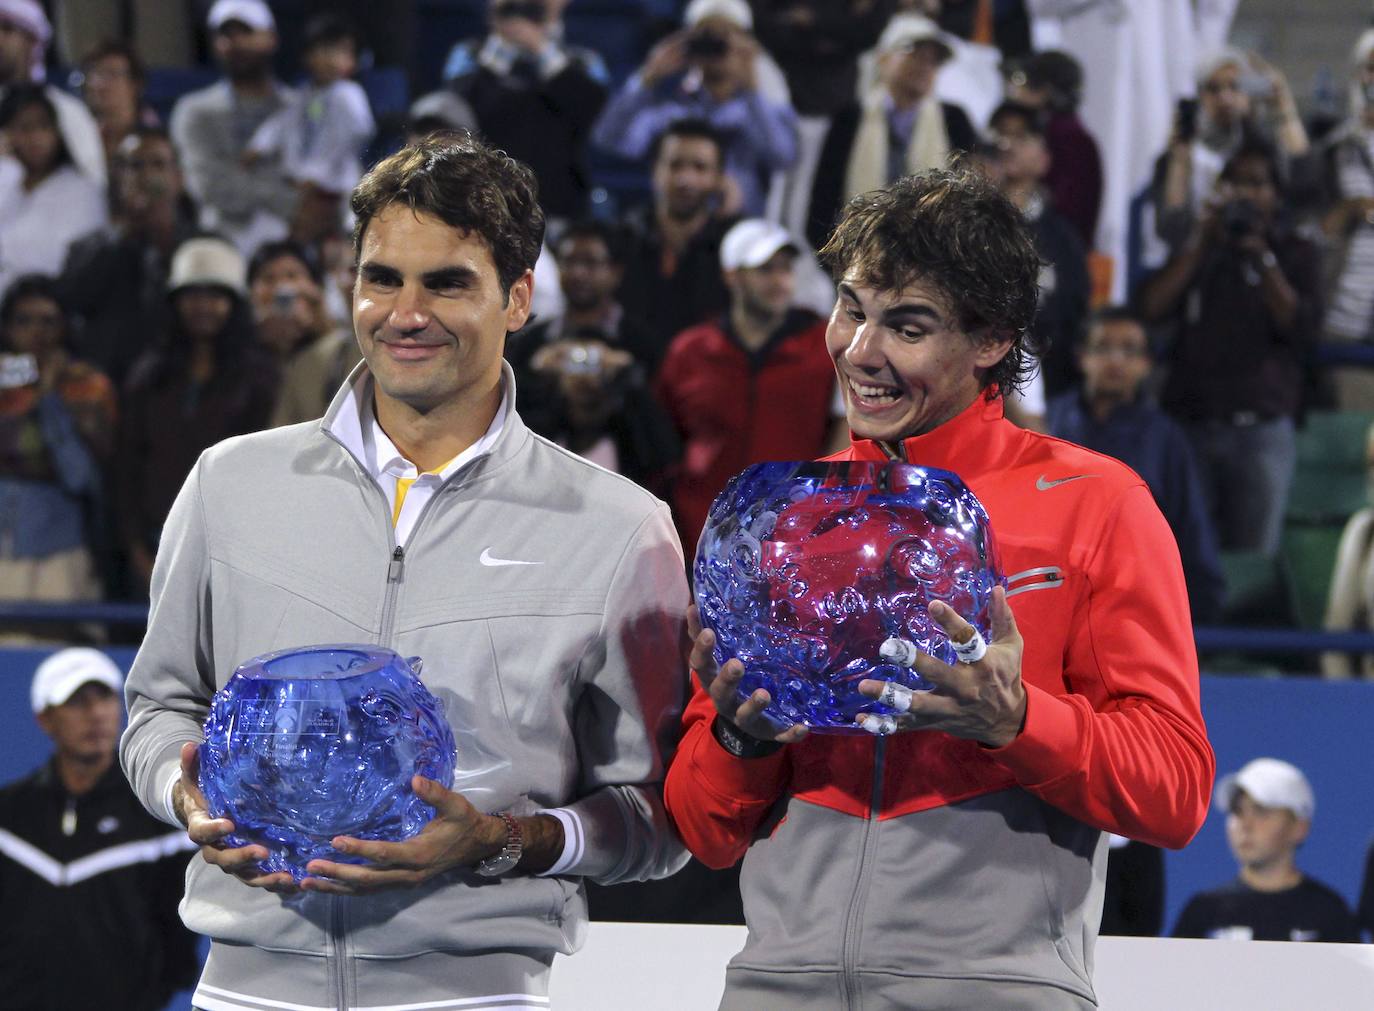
(57, 419)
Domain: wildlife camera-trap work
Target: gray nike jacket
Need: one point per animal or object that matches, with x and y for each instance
(564, 676)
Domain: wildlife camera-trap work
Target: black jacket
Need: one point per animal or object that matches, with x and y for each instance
(90, 918)
(827, 192)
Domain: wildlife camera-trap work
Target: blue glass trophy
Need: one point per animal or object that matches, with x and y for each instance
(818, 575)
(303, 745)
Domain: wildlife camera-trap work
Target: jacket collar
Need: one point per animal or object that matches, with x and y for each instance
(981, 425)
(342, 424)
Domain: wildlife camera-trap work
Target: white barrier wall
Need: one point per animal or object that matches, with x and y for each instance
(671, 967)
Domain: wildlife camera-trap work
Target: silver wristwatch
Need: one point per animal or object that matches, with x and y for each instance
(499, 863)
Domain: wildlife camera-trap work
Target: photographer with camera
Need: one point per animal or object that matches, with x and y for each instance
(1243, 293)
(584, 374)
(708, 70)
(1240, 98)
(534, 96)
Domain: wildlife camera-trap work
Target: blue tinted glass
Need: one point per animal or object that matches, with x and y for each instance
(805, 569)
(303, 745)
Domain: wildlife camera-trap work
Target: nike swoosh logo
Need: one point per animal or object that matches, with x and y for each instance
(487, 558)
(1043, 485)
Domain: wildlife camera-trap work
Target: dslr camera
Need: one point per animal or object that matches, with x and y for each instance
(707, 45)
(1241, 218)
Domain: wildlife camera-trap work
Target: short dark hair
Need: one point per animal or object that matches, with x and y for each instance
(1117, 313)
(1059, 74)
(692, 128)
(1035, 122)
(278, 248)
(602, 231)
(954, 229)
(327, 29)
(106, 48)
(30, 286)
(18, 98)
(1254, 148)
(466, 184)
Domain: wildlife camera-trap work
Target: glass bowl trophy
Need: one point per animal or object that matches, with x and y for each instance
(818, 575)
(306, 744)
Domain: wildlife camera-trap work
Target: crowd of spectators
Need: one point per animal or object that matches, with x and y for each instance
(176, 274)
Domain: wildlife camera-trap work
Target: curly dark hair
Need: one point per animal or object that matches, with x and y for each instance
(464, 183)
(954, 229)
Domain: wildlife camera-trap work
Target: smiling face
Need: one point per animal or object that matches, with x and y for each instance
(904, 361)
(430, 314)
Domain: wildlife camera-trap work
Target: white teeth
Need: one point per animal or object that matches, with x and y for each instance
(873, 392)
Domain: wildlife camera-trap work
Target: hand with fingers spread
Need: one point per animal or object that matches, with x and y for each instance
(980, 697)
(458, 836)
(188, 803)
(722, 685)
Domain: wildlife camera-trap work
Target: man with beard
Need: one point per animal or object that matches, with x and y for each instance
(672, 275)
(211, 128)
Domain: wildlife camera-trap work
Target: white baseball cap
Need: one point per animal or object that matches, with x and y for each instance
(905, 30)
(752, 243)
(737, 12)
(1270, 782)
(60, 675)
(253, 13)
(208, 261)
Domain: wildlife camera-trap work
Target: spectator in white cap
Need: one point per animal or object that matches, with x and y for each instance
(84, 870)
(755, 384)
(708, 70)
(212, 127)
(899, 128)
(24, 36)
(1240, 98)
(1269, 806)
(206, 379)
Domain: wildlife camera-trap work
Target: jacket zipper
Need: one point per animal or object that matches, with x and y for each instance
(849, 952)
(394, 571)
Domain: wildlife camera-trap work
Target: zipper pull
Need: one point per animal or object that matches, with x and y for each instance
(393, 572)
(69, 818)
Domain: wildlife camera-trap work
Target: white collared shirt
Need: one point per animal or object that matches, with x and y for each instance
(356, 426)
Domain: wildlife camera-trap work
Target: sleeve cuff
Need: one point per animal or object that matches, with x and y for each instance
(170, 778)
(574, 841)
(1049, 745)
(746, 780)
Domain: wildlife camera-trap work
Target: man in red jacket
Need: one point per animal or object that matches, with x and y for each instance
(958, 859)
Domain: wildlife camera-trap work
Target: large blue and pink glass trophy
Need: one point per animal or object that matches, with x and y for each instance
(303, 745)
(819, 575)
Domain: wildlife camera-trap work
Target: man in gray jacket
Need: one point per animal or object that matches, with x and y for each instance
(545, 595)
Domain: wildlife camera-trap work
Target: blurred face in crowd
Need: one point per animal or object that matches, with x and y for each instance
(586, 271)
(85, 728)
(725, 64)
(110, 89)
(327, 62)
(1221, 100)
(245, 53)
(1017, 88)
(286, 304)
(904, 361)
(35, 327)
(1250, 178)
(1115, 360)
(203, 311)
(765, 292)
(1364, 80)
(16, 53)
(1022, 156)
(909, 73)
(1263, 837)
(34, 139)
(686, 176)
(429, 311)
(146, 176)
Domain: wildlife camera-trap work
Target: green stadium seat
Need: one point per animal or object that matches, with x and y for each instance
(1308, 556)
(1330, 482)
